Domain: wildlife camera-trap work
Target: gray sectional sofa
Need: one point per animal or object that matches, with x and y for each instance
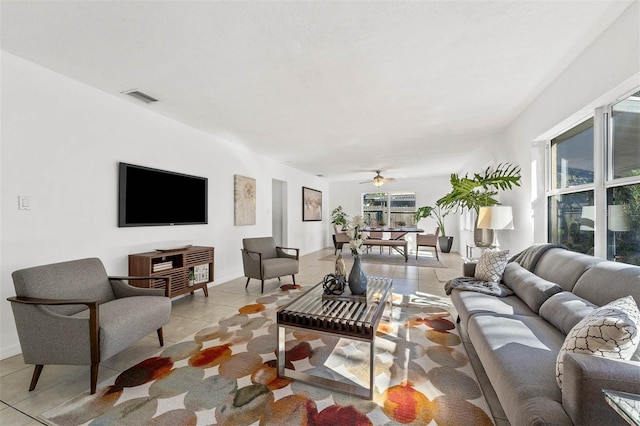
(518, 337)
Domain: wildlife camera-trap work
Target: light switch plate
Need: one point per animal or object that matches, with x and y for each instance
(24, 202)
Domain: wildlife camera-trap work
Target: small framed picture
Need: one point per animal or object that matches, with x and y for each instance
(311, 204)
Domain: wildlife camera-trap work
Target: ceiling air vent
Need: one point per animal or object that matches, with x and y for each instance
(140, 96)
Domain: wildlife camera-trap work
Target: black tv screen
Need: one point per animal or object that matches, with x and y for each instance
(150, 197)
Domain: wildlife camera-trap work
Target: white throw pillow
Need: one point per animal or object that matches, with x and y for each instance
(610, 331)
(491, 265)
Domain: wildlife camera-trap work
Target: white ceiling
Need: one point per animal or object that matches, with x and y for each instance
(337, 88)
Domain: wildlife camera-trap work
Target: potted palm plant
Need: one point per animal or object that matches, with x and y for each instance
(437, 212)
(480, 190)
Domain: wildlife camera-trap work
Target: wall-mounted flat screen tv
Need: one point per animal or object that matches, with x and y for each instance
(150, 197)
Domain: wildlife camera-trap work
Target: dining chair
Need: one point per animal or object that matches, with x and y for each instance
(428, 240)
(376, 235)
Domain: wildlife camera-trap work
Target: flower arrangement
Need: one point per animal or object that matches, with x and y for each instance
(356, 236)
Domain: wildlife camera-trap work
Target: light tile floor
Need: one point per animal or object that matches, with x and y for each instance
(190, 314)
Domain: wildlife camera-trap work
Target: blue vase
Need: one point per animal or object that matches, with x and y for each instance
(357, 278)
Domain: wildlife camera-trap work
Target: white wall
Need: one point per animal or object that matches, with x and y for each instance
(61, 144)
(606, 70)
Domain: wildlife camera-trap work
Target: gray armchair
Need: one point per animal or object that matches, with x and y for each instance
(262, 260)
(72, 313)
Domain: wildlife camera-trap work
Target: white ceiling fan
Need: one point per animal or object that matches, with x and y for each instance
(379, 180)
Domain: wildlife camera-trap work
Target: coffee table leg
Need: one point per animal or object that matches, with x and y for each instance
(281, 353)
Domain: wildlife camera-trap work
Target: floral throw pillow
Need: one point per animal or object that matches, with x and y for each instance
(491, 265)
(610, 331)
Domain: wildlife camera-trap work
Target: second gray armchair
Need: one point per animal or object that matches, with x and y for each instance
(263, 260)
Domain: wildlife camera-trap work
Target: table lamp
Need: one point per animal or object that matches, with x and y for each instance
(495, 218)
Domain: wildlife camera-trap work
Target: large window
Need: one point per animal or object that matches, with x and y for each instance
(571, 220)
(593, 191)
(572, 157)
(389, 209)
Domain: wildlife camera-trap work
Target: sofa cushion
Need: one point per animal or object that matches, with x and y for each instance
(518, 354)
(532, 289)
(118, 331)
(564, 310)
(594, 286)
(469, 303)
(610, 331)
(564, 267)
(278, 267)
(491, 265)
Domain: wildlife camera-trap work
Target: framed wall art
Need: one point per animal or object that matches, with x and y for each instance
(244, 200)
(311, 204)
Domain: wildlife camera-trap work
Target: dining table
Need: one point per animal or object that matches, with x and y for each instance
(399, 232)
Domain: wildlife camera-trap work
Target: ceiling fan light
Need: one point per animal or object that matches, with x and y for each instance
(378, 182)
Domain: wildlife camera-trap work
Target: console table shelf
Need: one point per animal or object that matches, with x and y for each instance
(175, 264)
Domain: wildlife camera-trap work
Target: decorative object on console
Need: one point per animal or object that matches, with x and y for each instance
(610, 331)
(495, 218)
(311, 205)
(333, 284)
(341, 268)
(357, 277)
(244, 200)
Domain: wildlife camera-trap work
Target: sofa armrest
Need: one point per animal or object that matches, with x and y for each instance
(282, 252)
(584, 378)
(122, 289)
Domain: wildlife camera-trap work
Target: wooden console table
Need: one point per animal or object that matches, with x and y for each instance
(177, 264)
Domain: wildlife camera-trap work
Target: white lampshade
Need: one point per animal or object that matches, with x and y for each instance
(587, 218)
(495, 217)
(618, 218)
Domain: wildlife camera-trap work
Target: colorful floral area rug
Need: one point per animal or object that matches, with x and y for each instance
(226, 374)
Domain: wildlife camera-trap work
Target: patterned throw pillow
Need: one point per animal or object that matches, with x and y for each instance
(610, 331)
(491, 265)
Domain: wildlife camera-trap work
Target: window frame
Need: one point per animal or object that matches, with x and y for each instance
(602, 170)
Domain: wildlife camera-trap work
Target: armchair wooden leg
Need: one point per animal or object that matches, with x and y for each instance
(247, 284)
(94, 377)
(294, 279)
(262, 287)
(160, 338)
(35, 377)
